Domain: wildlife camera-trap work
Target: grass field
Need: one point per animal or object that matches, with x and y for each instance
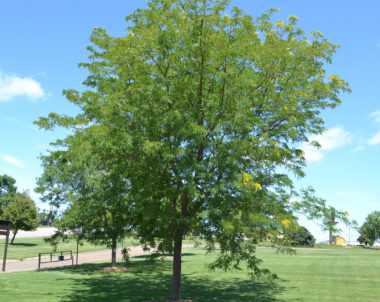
(30, 247)
(319, 275)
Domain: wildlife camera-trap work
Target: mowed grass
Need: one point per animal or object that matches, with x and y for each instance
(311, 275)
(331, 274)
(30, 247)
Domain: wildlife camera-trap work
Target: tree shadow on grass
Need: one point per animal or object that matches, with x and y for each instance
(167, 256)
(22, 244)
(147, 281)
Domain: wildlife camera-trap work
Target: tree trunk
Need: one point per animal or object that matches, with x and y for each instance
(114, 245)
(332, 223)
(177, 261)
(77, 251)
(330, 237)
(14, 236)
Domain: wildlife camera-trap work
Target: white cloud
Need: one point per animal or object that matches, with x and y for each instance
(359, 148)
(376, 116)
(312, 154)
(329, 140)
(374, 140)
(333, 138)
(12, 160)
(12, 86)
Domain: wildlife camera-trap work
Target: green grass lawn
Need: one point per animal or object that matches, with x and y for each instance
(311, 275)
(30, 247)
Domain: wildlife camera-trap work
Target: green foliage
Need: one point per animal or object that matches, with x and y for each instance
(7, 190)
(22, 212)
(89, 174)
(370, 230)
(196, 112)
(301, 236)
(45, 218)
(93, 187)
(125, 254)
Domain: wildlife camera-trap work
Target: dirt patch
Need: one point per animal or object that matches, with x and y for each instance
(115, 269)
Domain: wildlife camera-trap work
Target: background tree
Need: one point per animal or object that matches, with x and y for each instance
(370, 229)
(22, 212)
(89, 177)
(68, 227)
(208, 109)
(331, 219)
(317, 209)
(44, 218)
(301, 236)
(330, 224)
(7, 190)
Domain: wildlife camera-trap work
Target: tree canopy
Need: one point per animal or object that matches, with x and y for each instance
(7, 190)
(202, 114)
(300, 236)
(22, 212)
(370, 229)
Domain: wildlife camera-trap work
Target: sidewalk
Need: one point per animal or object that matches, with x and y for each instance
(87, 257)
(39, 232)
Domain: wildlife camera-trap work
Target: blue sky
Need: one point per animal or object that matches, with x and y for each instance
(43, 41)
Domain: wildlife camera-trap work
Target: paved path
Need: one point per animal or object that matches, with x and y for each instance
(40, 232)
(86, 257)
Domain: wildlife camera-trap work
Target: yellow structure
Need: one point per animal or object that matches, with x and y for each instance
(340, 241)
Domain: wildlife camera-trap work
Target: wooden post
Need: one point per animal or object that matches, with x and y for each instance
(39, 261)
(5, 251)
(5, 227)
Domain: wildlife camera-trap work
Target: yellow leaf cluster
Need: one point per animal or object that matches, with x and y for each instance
(280, 24)
(286, 223)
(317, 33)
(246, 178)
(334, 77)
(295, 18)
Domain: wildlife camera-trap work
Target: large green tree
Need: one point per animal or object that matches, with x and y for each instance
(209, 110)
(22, 212)
(7, 190)
(370, 229)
